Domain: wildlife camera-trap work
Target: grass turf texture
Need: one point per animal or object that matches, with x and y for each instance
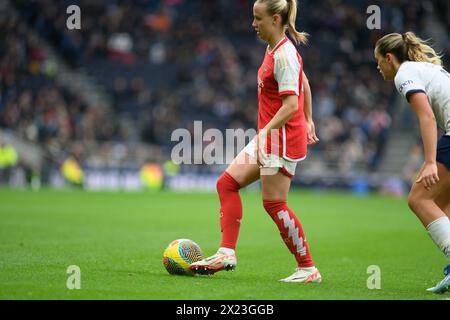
(117, 240)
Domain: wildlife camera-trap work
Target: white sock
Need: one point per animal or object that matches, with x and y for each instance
(226, 251)
(439, 231)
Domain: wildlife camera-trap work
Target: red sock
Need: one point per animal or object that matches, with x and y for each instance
(230, 209)
(291, 231)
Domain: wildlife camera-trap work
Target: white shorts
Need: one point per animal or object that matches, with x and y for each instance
(273, 161)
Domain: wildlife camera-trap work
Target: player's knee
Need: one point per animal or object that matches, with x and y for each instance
(220, 184)
(414, 201)
(226, 183)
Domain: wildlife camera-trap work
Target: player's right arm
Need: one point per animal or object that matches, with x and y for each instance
(428, 129)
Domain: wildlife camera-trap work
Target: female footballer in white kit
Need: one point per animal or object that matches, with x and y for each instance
(419, 77)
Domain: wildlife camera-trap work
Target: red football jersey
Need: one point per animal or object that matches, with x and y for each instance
(281, 74)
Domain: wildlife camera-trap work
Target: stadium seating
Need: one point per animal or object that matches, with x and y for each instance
(168, 63)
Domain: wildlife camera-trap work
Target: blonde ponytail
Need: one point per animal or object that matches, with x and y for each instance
(418, 49)
(407, 47)
(299, 37)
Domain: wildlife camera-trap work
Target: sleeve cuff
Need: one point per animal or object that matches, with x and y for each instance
(287, 93)
(410, 92)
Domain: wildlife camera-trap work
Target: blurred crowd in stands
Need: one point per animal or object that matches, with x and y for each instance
(167, 63)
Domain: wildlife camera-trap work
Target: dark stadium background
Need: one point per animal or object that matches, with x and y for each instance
(110, 94)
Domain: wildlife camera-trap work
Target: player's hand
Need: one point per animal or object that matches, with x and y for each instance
(261, 140)
(311, 132)
(428, 175)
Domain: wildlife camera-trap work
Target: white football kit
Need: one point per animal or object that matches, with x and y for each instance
(434, 81)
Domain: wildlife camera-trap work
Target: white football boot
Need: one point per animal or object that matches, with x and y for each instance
(305, 275)
(444, 284)
(219, 261)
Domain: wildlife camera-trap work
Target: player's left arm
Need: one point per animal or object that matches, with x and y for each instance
(428, 129)
(307, 110)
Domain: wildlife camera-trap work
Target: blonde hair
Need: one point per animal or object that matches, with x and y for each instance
(407, 47)
(287, 9)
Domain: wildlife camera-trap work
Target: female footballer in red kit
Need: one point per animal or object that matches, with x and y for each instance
(285, 127)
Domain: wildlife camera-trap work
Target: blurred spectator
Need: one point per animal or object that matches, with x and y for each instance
(8, 159)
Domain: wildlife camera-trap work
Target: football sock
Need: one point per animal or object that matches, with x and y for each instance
(230, 210)
(439, 231)
(291, 231)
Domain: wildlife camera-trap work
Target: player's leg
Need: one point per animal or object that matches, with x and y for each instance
(423, 202)
(242, 171)
(275, 188)
(443, 202)
(429, 206)
(443, 160)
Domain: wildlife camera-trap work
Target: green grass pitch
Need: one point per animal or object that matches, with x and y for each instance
(117, 240)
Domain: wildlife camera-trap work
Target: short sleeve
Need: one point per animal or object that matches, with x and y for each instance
(287, 72)
(407, 82)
